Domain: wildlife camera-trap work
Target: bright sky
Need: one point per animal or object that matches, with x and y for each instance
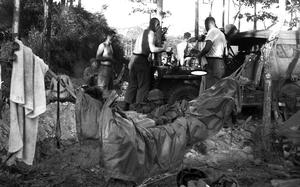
(181, 20)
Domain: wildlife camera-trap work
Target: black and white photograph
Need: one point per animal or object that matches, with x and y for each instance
(149, 93)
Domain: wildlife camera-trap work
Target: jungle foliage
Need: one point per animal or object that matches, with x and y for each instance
(293, 7)
(75, 33)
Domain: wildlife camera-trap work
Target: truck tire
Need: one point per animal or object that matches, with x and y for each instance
(185, 92)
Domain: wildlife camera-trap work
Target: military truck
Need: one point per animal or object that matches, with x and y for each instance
(245, 58)
(246, 55)
(177, 83)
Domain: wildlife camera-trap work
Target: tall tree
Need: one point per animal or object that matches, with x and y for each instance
(16, 18)
(71, 3)
(159, 12)
(255, 15)
(148, 7)
(47, 29)
(223, 14)
(196, 18)
(293, 6)
(6, 14)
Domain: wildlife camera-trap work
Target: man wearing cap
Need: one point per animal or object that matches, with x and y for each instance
(214, 50)
(139, 66)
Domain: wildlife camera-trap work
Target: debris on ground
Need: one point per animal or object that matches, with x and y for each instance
(230, 153)
(285, 183)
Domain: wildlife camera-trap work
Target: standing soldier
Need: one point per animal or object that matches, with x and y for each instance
(214, 50)
(106, 62)
(139, 66)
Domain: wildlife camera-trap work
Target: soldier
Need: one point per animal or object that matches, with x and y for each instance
(106, 62)
(214, 50)
(139, 66)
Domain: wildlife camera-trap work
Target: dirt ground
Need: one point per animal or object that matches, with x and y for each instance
(233, 152)
(74, 165)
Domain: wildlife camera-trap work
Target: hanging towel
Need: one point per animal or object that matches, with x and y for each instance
(27, 102)
(17, 91)
(39, 104)
(23, 134)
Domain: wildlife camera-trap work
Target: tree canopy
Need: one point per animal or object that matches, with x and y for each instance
(293, 7)
(75, 34)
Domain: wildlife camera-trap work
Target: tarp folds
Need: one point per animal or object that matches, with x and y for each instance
(87, 112)
(215, 105)
(132, 152)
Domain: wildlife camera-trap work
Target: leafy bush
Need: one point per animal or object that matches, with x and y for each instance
(75, 34)
(35, 41)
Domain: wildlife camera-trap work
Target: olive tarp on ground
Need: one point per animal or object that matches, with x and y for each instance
(132, 152)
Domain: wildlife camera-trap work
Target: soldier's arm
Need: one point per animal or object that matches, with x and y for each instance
(206, 49)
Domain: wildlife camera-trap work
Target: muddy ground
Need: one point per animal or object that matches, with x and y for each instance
(234, 152)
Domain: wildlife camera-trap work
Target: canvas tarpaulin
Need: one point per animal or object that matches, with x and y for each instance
(132, 152)
(88, 111)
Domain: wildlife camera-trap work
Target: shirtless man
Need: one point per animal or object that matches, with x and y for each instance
(105, 57)
(139, 66)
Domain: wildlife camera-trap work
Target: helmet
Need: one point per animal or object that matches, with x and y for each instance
(155, 94)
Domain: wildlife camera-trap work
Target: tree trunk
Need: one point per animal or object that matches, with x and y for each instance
(211, 7)
(268, 82)
(15, 34)
(223, 15)
(79, 3)
(240, 8)
(16, 18)
(160, 10)
(46, 14)
(267, 106)
(228, 12)
(131, 47)
(63, 3)
(157, 56)
(196, 18)
(47, 30)
(255, 17)
(71, 3)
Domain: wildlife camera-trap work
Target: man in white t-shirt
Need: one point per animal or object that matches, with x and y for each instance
(214, 50)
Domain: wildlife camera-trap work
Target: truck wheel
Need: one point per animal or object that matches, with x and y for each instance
(185, 92)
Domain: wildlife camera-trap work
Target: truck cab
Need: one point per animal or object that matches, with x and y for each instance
(246, 56)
